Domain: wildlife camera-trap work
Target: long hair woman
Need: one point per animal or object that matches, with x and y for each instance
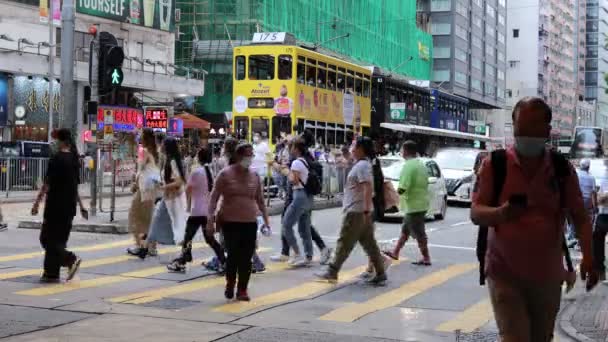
(169, 218)
(200, 184)
(242, 199)
(145, 186)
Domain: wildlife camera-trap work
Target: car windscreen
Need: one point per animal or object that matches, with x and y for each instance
(456, 159)
(599, 169)
(393, 171)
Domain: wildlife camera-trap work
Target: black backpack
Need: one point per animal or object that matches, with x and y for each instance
(499, 166)
(313, 184)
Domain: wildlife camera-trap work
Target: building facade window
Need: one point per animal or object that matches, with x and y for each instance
(490, 71)
(591, 65)
(441, 28)
(476, 41)
(500, 74)
(490, 51)
(460, 78)
(592, 51)
(462, 32)
(476, 84)
(441, 5)
(502, 3)
(591, 92)
(500, 56)
(477, 22)
(476, 63)
(490, 30)
(478, 3)
(442, 75)
(501, 37)
(592, 38)
(462, 9)
(461, 55)
(500, 93)
(490, 11)
(442, 52)
(501, 19)
(489, 90)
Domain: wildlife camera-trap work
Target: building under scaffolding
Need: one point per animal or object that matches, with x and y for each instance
(385, 33)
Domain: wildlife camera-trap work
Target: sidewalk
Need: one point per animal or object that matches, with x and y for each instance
(584, 316)
(28, 196)
(101, 223)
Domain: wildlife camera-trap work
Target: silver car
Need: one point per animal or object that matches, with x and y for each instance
(457, 165)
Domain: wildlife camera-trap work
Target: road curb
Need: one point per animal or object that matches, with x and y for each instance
(17, 200)
(120, 228)
(565, 322)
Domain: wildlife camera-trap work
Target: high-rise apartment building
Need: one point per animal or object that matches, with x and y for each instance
(542, 37)
(596, 58)
(469, 44)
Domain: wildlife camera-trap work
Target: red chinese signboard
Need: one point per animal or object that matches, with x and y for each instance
(157, 119)
(125, 119)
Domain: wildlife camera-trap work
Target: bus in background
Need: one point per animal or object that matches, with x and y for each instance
(563, 145)
(280, 88)
(588, 142)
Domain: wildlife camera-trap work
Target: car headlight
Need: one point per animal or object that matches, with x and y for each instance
(467, 179)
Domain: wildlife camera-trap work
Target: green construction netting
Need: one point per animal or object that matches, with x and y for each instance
(381, 33)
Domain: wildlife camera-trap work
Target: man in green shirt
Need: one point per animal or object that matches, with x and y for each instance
(414, 192)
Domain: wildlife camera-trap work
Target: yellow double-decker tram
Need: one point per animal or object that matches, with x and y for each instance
(285, 89)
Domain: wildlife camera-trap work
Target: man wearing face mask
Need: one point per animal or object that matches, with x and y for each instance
(524, 256)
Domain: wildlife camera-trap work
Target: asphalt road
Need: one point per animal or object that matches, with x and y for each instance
(119, 298)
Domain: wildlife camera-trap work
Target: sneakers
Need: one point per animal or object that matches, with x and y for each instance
(153, 252)
(242, 296)
(279, 258)
(366, 275)
(326, 256)
(378, 280)
(299, 261)
(257, 266)
(73, 268)
(177, 267)
(328, 276)
(49, 280)
(134, 251)
(3, 227)
(143, 253)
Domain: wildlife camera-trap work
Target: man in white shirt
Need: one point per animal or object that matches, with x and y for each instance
(260, 150)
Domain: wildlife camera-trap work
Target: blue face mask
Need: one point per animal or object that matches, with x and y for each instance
(530, 146)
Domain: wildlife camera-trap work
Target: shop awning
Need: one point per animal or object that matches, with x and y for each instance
(193, 122)
(434, 131)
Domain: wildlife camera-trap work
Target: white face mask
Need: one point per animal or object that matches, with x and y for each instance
(530, 146)
(246, 162)
(256, 140)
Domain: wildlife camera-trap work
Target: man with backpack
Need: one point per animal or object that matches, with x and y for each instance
(523, 195)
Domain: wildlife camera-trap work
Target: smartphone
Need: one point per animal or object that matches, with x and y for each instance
(520, 200)
(84, 213)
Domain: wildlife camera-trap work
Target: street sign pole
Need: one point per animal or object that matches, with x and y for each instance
(68, 119)
(93, 70)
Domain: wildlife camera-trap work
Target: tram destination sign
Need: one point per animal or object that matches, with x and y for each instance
(397, 110)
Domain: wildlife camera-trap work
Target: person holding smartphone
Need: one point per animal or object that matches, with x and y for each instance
(524, 260)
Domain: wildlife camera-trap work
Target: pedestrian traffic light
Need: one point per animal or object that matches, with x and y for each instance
(111, 56)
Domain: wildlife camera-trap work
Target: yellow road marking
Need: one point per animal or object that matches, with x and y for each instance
(96, 282)
(92, 263)
(205, 283)
(470, 319)
(298, 292)
(91, 248)
(353, 312)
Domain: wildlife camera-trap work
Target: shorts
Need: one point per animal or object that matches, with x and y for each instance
(413, 225)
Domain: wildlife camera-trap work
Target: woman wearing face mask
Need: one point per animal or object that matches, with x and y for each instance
(242, 199)
(170, 212)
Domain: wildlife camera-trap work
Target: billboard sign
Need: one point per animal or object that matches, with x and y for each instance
(156, 14)
(157, 118)
(3, 99)
(176, 127)
(125, 119)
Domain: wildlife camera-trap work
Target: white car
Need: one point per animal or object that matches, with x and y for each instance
(438, 200)
(457, 164)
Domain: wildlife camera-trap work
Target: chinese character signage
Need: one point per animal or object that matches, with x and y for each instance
(125, 119)
(157, 14)
(156, 118)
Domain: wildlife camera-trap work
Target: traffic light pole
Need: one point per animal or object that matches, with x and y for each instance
(93, 79)
(68, 119)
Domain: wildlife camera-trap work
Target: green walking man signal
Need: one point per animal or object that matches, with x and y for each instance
(116, 77)
(111, 56)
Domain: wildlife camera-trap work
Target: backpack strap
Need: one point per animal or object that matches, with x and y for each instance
(561, 167)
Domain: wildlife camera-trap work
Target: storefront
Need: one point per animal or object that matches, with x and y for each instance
(28, 116)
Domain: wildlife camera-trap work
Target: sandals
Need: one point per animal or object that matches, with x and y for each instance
(176, 266)
(421, 263)
(391, 255)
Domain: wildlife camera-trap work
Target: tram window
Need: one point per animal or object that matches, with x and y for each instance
(240, 68)
(350, 83)
(301, 70)
(285, 67)
(260, 126)
(358, 86)
(241, 127)
(311, 72)
(340, 82)
(366, 88)
(261, 67)
(331, 78)
(321, 77)
(280, 124)
(340, 134)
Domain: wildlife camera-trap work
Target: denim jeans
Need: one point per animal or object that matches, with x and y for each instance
(299, 211)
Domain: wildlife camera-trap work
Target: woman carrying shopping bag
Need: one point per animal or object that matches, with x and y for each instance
(146, 186)
(169, 219)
